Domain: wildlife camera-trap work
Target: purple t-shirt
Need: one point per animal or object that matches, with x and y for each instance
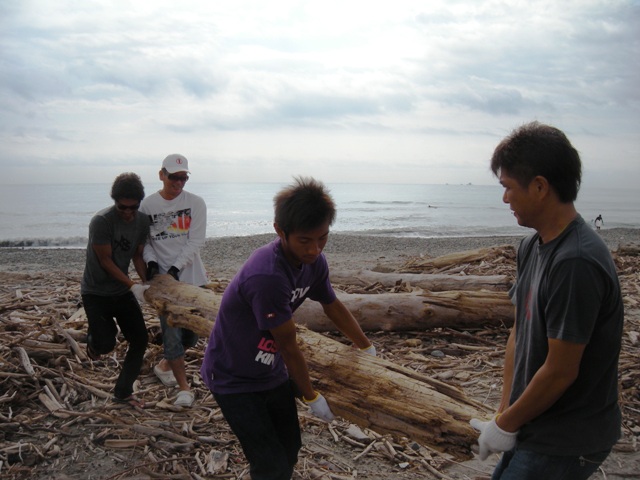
(241, 355)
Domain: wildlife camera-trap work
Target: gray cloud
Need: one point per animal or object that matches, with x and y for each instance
(97, 80)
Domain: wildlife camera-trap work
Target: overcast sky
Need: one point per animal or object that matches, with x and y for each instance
(347, 91)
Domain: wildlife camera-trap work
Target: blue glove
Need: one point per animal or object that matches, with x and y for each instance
(492, 438)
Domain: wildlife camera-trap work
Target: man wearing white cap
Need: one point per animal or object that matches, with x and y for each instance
(178, 231)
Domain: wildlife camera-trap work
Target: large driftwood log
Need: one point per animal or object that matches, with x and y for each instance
(419, 265)
(433, 282)
(629, 249)
(394, 312)
(388, 398)
(369, 391)
(388, 312)
(183, 303)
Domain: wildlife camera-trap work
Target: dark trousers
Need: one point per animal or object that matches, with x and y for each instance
(266, 424)
(526, 465)
(102, 315)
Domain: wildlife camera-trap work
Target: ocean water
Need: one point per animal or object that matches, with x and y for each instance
(59, 215)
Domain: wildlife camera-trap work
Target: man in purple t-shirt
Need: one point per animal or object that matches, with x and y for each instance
(252, 364)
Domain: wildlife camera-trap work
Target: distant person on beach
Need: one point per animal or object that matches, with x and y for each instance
(117, 235)
(559, 415)
(599, 222)
(252, 363)
(178, 232)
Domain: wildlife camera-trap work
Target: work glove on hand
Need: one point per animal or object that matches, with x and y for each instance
(152, 270)
(320, 408)
(492, 438)
(138, 290)
(174, 272)
(371, 350)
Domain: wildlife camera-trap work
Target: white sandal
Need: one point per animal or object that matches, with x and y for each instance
(167, 378)
(185, 398)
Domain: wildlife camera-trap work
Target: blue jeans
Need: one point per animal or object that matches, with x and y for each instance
(527, 465)
(176, 340)
(266, 424)
(102, 315)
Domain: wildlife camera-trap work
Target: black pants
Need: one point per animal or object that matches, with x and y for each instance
(102, 314)
(266, 424)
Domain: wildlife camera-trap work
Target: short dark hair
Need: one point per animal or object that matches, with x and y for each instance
(127, 185)
(303, 206)
(537, 149)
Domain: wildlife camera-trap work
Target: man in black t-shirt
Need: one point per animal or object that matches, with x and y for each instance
(559, 415)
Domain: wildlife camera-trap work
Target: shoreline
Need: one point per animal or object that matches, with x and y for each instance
(223, 256)
(63, 245)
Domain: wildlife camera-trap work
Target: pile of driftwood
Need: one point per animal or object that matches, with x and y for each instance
(439, 326)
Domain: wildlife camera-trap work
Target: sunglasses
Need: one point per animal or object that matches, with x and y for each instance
(177, 178)
(122, 207)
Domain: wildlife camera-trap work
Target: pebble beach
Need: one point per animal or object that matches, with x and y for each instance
(33, 276)
(223, 256)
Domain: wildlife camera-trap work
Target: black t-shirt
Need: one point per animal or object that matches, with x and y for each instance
(568, 289)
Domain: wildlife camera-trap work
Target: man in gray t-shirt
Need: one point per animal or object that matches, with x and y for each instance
(559, 415)
(117, 235)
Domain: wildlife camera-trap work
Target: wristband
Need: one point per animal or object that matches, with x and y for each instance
(312, 400)
(370, 350)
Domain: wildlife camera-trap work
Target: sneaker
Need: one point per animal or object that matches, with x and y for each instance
(185, 398)
(167, 378)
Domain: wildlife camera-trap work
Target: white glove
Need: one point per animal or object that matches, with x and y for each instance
(371, 350)
(138, 290)
(492, 438)
(320, 408)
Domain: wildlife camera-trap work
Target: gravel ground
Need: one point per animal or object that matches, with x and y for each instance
(223, 256)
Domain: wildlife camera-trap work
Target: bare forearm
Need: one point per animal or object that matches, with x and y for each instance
(346, 323)
(545, 388)
(507, 375)
(113, 270)
(286, 338)
(558, 372)
(140, 266)
(299, 372)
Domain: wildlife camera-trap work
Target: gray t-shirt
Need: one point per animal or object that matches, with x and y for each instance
(107, 228)
(568, 289)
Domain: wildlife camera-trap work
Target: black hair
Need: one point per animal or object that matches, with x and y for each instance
(537, 149)
(303, 206)
(127, 185)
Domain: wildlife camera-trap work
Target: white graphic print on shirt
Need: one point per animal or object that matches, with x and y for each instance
(170, 224)
(267, 347)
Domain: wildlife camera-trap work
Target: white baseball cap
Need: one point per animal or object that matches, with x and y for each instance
(175, 163)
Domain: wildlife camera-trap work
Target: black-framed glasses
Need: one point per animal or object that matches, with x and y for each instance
(174, 177)
(122, 207)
